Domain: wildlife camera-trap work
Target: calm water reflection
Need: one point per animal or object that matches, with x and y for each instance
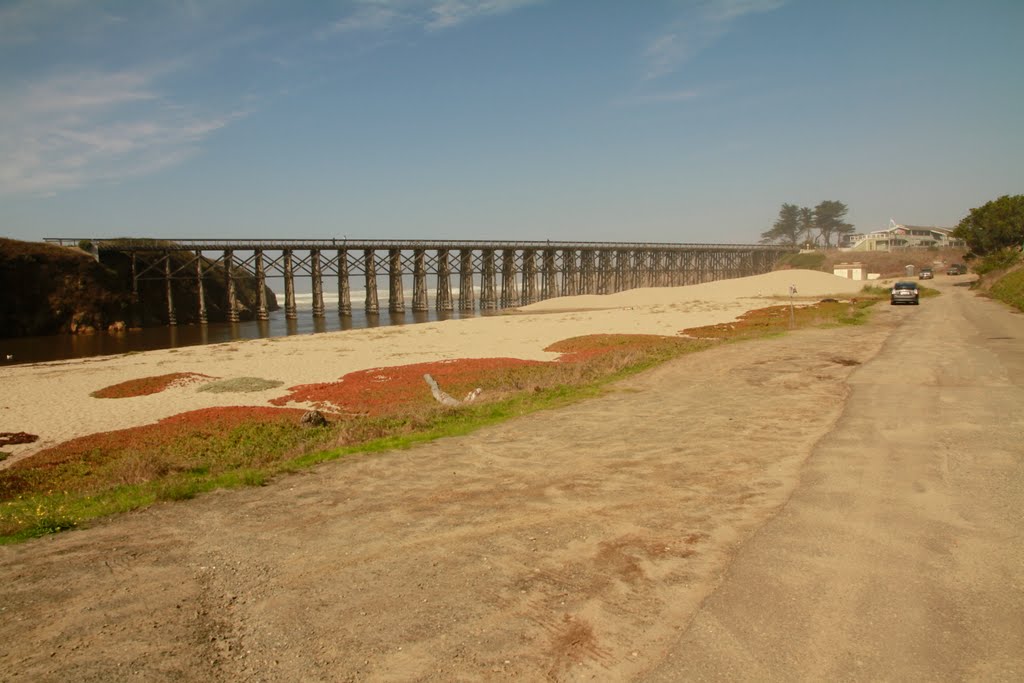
(61, 347)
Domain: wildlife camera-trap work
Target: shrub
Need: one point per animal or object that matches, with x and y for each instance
(1000, 260)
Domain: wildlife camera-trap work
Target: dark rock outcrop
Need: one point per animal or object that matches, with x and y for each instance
(48, 289)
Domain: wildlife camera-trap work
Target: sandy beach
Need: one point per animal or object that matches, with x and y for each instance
(52, 400)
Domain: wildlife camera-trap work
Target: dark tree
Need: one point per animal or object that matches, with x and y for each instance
(828, 218)
(996, 225)
(786, 228)
(807, 224)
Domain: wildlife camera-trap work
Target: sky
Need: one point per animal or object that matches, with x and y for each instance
(575, 120)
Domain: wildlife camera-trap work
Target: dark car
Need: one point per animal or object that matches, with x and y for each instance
(904, 293)
(926, 274)
(957, 269)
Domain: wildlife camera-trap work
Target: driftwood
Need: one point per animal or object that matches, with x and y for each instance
(446, 399)
(11, 438)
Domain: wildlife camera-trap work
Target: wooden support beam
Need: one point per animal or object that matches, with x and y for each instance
(419, 281)
(200, 291)
(396, 292)
(172, 318)
(229, 266)
(318, 283)
(290, 309)
(570, 275)
(529, 277)
(262, 311)
(509, 275)
(443, 300)
(488, 281)
(549, 275)
(466, 294)
(588, 274)
(371, 306)
(344, 287)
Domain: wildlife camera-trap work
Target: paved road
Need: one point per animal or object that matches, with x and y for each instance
(900, 555)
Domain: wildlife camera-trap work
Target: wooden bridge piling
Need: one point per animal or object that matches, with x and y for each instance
(549, 276)
(172, 318)
(229, 266)
(318, 283)
(443, 298)
(420, 303)
(466, 293)
(290, 308)
(200, 291)
(396, 293)
(261, 287)
(372, 307)
(509, 273)
(488, 281)
(344, 287)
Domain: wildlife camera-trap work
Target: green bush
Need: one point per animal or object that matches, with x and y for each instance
(999, 260)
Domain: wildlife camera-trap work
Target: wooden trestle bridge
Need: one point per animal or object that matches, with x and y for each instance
(509, 273)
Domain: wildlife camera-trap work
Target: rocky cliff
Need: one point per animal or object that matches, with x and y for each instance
(47, 289)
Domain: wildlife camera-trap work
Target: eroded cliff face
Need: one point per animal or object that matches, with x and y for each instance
(47, 289)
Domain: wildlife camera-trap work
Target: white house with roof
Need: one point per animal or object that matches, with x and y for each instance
(898, 237)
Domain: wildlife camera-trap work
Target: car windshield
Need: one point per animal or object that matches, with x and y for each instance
(905, 285)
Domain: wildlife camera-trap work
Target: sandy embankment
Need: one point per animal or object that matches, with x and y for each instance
(53, 401)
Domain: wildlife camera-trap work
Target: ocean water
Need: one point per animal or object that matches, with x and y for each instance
(69, 346)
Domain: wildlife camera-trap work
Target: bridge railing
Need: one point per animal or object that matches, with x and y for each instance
(185, 244)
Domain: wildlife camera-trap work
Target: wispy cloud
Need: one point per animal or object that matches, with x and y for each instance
(424, 15)
(73, 130)
(654, 98)
(449, 13)
(699, 26)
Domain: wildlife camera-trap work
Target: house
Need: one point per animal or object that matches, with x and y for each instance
(899, 237)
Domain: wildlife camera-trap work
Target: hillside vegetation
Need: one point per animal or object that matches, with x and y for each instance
(887, 264)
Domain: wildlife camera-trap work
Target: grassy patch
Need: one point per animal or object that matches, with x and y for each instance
(1010, 289)
(808, 261)
(177, 458)
(776, 320)
(240, 385)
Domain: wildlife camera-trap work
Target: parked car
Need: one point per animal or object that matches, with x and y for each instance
(925, 274)
(957, 269)
(904, 293)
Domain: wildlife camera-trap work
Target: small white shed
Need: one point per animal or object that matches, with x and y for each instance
(851, 271)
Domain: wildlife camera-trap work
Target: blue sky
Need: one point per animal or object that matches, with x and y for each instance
(648, 120)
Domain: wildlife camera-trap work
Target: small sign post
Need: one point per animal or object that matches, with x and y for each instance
(792, 311)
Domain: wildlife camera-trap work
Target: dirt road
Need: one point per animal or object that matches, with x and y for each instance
(900, 556)
(754, 511)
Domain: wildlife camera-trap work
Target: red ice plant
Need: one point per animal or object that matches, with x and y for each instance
(387, 390)
(144, 386)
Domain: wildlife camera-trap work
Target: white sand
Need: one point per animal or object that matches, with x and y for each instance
(53, 401)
